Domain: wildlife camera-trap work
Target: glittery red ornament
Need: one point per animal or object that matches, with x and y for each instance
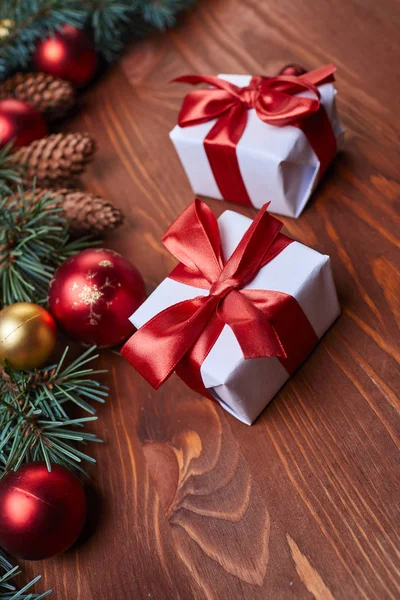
(93, 294)
(293, 70)
(68, 54)
(20, 123)
(41, 513)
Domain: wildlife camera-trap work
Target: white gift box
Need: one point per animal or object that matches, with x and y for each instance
(277, 164)
(242, 386)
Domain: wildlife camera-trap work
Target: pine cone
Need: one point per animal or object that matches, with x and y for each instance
(87, 213)
(53, 97)
(54, 159)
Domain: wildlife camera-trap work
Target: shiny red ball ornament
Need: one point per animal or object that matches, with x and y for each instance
(41, 513)
(69, 54)
(292, 70)
(93, 294)
(20, 123)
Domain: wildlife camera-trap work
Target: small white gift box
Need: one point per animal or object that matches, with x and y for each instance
(244, 387)
(277, 164)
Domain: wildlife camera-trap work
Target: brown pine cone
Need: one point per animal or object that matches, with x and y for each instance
(54, 159)
(53, 97)
(86, 213)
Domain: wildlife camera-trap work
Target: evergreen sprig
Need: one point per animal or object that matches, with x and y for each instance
(26, 20)
(7, 589)
(113, 22)
(163, 13)
(34, 422)
(9, 175)
(34, 241)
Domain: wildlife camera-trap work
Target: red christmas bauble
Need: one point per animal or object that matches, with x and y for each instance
(293, 70)
(41, 513)
(68, 54)
(20, 123)
(93, 294)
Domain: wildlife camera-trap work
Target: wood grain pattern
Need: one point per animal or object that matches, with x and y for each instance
(188, 502)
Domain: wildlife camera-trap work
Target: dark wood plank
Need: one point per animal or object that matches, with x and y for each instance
(189, 503)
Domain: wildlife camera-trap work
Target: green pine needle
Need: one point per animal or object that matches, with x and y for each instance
(34, 241)
(34, 422)
(162, 13)
(9, 176)
(8, 590)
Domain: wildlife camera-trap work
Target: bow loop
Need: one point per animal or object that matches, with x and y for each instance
(253, 252)
(201, 106)
(276, 103)
(200, 247)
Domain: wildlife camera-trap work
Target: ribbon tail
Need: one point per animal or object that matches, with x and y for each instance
(319, 76)
(256, 335)
(189, 368)
(290, 323)
(157, 347)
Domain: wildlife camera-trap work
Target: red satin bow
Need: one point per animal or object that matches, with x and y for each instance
(265, 323)
(275, 102)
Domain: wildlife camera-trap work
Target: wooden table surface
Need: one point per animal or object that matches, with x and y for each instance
(188, 502)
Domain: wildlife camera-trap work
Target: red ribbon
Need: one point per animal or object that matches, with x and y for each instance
(275, 103)
(265, 323)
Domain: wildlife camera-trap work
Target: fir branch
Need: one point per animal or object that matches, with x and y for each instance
(34, 422)
(9, 175)
(8, 591)
(113, 22)
(28, 20)
(162, 13)
(34, 241)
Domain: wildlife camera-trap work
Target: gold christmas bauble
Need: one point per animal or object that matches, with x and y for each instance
(28, 335)
(6, 26)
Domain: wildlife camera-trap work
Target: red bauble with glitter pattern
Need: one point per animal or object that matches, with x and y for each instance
(69, 54)
(20, 123)
(93, 294)
(41, 513)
